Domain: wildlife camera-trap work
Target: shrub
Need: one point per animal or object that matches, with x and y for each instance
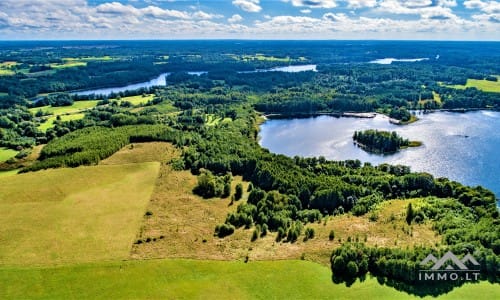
(255, 235)
(238, 193)
(224, 230)
(309, 234)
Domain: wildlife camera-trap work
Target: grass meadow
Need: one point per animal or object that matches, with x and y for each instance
(61, 110)
(483, 85)
(199, 279)
(6, 153)
(73, 215)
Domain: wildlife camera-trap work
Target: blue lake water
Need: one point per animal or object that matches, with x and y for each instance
(157, 81)
(460, 146)
(388, 61)
(288, 69)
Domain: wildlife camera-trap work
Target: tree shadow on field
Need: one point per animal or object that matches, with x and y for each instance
(419, 289)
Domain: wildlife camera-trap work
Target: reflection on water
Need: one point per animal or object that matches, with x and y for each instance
(158, 81)
(288, 69)
(460, 146)
(388, 61)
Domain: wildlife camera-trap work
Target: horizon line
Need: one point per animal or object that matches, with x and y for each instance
(244, 39)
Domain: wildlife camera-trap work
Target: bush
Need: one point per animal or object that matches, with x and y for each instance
(255, 235)
(224, 230)
(238, 193)
(331, 236)
(309, 234)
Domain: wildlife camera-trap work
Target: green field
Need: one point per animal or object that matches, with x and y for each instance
(191, 279)
(6, 68)
(68, 64)
(50, 121)
(6, 153)
(6, 72)
(212, 120)
(74, 215)
(8, 173)
(137, 100)
(61, 110)
(483, 85)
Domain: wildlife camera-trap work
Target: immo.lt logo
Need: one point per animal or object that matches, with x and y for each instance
(449, 268)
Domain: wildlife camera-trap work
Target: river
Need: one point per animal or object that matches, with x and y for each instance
(459, 146)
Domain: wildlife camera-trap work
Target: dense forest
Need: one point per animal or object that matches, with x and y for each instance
(213, 119)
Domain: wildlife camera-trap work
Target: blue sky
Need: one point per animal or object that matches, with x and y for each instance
(250, 19)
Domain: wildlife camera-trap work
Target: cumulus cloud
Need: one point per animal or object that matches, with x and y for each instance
(235, 19)
(424, 8)
(486, 6)
(112, 19)
(248, 5)
(335, 17)
(314, 3)
(361, 3)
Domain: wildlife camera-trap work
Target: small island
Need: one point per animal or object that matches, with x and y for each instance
(382, 142)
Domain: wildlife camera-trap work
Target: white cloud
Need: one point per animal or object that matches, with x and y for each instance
(447, 3)
(486, 6)
(306, 11)
(424, 8)
(361, 3)
(76, 19)
(335, 17)
(157, 12)
(235, 19)
(313, 3)
(248, 5)
(205, 16)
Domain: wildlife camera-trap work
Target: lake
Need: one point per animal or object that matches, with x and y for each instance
(160, 80)
(388, 61)
(288, 69)
(157, 81)
(459, 146)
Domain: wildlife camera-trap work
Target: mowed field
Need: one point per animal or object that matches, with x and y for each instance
(73, 215)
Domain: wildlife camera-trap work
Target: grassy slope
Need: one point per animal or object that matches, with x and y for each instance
(191, 279)
(6, 153)
(73, 215)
